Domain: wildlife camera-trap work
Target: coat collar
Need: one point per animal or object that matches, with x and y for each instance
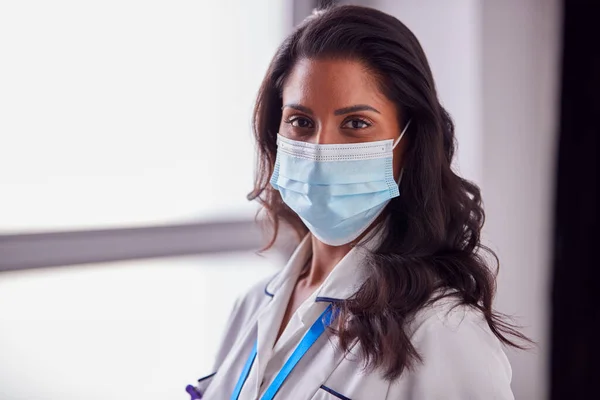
(344, 280)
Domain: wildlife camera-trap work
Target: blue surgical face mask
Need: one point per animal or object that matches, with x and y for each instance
(337, 190)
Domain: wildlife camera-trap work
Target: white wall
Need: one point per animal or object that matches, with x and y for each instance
(521, 61)
(449, 33)
(496, 69)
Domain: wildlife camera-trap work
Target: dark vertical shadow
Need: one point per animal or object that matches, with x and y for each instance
(575, 351)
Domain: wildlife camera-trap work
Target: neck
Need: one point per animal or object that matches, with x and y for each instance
(326, 257)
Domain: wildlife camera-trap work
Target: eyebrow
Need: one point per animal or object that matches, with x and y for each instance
(341, 111)
(358, 107)
(299, 107)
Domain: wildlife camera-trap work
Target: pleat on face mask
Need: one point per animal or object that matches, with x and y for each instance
(337, 190)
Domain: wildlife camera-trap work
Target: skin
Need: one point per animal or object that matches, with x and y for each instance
(331, 102)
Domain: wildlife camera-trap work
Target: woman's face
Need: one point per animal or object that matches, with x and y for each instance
(338, 101)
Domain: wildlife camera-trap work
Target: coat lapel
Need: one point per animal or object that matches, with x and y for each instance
(325, 355)
(270, 318)
(314, 369)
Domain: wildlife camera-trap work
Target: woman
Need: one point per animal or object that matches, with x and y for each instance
(386, 296)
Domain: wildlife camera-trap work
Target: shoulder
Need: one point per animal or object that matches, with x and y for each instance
(253, 299)
(245, 310)
(461, 357)
(449, 321)
(445, 314)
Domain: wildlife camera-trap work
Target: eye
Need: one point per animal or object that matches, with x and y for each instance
(299, 122)
(356, 123)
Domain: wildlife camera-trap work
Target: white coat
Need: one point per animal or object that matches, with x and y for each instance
(462, 358)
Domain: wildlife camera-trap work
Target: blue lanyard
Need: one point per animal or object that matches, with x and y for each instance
(307, 341)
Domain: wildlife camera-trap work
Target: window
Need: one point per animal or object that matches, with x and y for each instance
(142, 329)
(128, 113)
(125, 134)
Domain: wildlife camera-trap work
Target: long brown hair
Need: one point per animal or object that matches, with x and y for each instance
(432, 238)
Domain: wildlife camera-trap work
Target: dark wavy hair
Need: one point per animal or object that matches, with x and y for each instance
(432, 238)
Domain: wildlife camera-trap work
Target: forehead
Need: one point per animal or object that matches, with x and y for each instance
(331, 83)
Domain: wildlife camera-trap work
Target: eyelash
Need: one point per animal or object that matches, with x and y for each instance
(360, 119)
(365, 121)
(293, 119)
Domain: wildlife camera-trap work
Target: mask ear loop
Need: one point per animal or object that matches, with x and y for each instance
(401, 134)
(394, 146)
